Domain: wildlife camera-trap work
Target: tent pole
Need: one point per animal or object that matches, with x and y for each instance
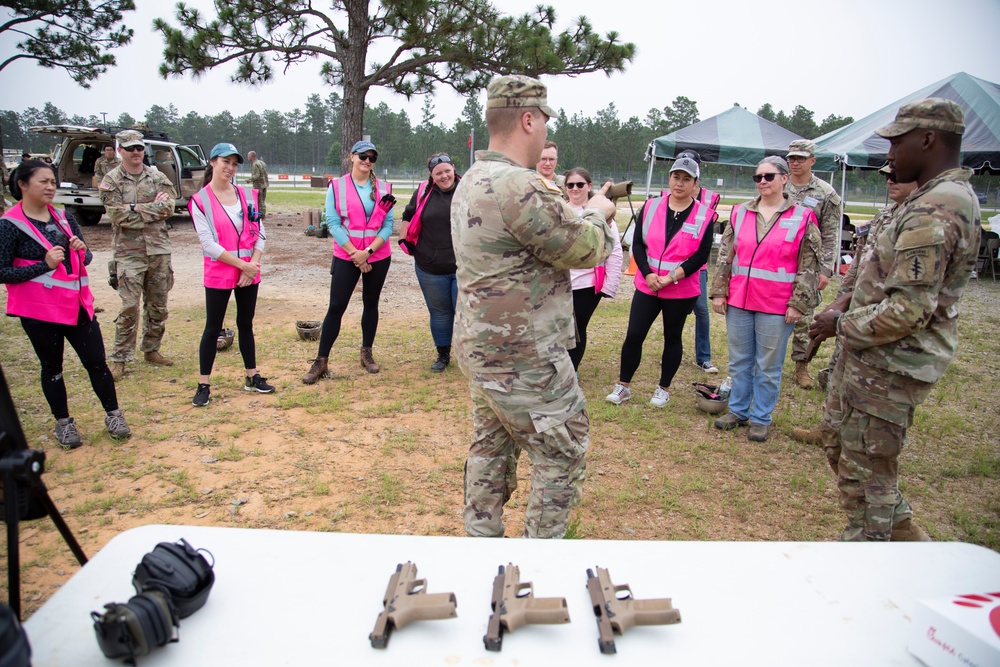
(843, 204)
(649, 173)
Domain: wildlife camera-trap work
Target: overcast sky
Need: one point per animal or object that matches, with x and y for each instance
(848, 57)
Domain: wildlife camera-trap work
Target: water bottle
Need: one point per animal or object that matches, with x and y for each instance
(725, 388)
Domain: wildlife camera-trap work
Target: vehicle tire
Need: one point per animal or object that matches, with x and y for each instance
(85, 216)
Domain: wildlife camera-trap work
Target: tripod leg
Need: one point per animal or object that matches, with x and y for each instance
(13, 544)
(42, 494)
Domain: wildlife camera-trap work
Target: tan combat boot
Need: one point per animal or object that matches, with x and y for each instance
(158, 359)
(802, 375)
(812, 436)
(907, 531)
(367, 361)
(316, 371)
(117, 369)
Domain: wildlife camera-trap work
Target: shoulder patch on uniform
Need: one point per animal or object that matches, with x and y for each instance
(926, 233)
(550, 185)
(105, 185)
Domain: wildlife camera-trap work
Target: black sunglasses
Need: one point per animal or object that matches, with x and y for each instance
(757, 178)
(367, 157)
(581, 185)
(439, 159)
(133, 149)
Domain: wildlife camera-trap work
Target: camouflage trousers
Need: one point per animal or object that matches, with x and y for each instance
(261, 201)
(541, 411)
(149, 277)
(868, 476)
(800, 336)
(833, 409)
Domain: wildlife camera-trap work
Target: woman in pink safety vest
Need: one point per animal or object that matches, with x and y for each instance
(359, 217)
(43, 261)
(671, 243)
(231, 231)
(767, 277)
(428, 239)
(589, 285)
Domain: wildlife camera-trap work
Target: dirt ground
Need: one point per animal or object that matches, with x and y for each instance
(384, 453)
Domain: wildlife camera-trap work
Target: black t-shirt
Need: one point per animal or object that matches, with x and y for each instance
(16, 244)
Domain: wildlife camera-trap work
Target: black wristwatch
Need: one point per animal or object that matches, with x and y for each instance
(132, 207)
(370, 251)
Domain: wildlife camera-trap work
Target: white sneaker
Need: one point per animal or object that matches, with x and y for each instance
(707, 366)
(660, 397)
(620, 394)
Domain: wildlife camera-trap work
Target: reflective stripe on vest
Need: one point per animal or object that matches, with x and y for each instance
(709, 198)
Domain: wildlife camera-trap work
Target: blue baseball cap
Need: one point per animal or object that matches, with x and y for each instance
(362, 146)
(225, 150)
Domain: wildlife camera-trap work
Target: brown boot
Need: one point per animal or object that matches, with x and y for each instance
(812, 436)
(367, 362)
(117, 369)
(316, 371)
(907, 531)
(802, 375)
(158, 359)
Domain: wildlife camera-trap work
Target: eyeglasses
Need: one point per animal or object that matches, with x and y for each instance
(580, 184)
(757, 178)
(367, 157)
(797, 158)
(439, 159)
(133, 149)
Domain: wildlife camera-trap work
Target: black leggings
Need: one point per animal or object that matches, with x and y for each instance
(344, 278)
(644, 310)
(216, 304)
(585, 302)
(85, 336)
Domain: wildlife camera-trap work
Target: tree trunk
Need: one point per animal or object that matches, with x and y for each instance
(352, 123)
(355, 90)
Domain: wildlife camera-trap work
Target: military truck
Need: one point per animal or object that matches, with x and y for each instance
(74, 160)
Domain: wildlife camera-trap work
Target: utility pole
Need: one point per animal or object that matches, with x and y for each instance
(104, 115)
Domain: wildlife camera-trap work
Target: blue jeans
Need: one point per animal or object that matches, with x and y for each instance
(757, 344)
(702, 329)
(441, 295)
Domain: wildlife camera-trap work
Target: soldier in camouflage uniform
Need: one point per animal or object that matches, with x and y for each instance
(515, 239)
(258, 179)
(804, 188)
(901, 328)
(106, 163)
(139, 200)
(827, 434)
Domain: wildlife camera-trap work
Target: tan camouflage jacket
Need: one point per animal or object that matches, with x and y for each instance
(258, 175)
(901, 331)
(104, 165)
(144, 230)
(515, 239)
(805, 292)
(825, 203)
(861, 253)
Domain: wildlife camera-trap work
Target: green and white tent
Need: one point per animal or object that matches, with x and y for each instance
(859, 146)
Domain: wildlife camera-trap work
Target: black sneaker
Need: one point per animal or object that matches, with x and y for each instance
(201, 396)
(66, 433)
(258, 384)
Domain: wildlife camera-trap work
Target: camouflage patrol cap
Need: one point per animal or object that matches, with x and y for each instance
(128, 138)
(933, 113)
(802, 148)
(515, 90)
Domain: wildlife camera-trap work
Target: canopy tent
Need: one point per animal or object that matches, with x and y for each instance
(859, 146)
(735, 136)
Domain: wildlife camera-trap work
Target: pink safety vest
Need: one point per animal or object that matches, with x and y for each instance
(663, 257)
(55, 296)
(408, 243)
(220, 275)
(763, 274)
(709, 198)
(360, 229)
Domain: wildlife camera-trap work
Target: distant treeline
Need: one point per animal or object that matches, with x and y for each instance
(308, 138)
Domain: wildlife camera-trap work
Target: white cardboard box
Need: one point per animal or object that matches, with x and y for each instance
(957, 631)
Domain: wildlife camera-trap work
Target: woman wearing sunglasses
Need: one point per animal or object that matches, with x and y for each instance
(359, 217)
(589, 285)
(428, 239)
(767, 277)
(231, 233)
(43, 263)
(672, 243)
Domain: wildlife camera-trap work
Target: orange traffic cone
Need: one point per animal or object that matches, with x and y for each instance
(632, 268)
